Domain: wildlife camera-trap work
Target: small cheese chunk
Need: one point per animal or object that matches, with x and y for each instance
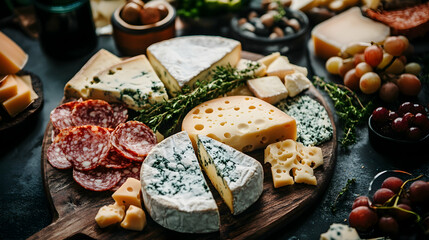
(242, 122)
(270, 89)
(280, 67)
(296, 83)
(129, 193)
(267, 60)
(244, 64)
(27, 80)
(8, 88)
(303, 5)
(20, 101)
(339, 231)
(135, 219)
(12, 57)
(111, 214)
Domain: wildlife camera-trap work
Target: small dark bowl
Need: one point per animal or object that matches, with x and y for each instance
(266, 45)
(398, 147)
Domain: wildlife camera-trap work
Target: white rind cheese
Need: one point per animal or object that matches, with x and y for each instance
(174, 190)
(236, 176)
(183, 61)
(339, 231)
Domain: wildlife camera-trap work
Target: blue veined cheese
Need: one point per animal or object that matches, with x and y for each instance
(313, 124)
(236, 176)
(340, 232)
(174, 190)
(132, 82)
(183, 61)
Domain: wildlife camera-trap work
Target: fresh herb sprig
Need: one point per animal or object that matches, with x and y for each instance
(343, 191)
(167, 115)
(348, 107)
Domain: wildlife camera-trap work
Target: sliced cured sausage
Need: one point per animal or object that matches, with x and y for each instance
(100, 179)
(120, 114)
(115, 160)
(61, 116)
(57, 158)
(93, 112)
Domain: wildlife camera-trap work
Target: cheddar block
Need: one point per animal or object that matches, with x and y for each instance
(270, 89)
(333, 34)
(109, 215)
(242, 122)
(27, 80)
(267, 60)
(129, 193)
(20, 101)
(12, 57)
(135, 219)
(244, 64)
(296, 83)
(8, 88)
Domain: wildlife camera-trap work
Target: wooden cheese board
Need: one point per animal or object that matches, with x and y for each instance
(74, 208)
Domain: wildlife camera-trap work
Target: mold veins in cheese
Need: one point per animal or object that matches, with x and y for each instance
(236, 176)
(183, 61)
(242, 122)
(174, 190)
(12, 57)
(348, 27)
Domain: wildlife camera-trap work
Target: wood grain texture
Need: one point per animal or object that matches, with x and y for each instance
(74, 208)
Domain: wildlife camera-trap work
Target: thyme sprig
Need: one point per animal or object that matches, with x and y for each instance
(343, 191)
(167, 115)
(348, 107)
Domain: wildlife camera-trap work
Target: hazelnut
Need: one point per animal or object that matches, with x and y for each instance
(279, 32)
(267, 20)
(150, 15)
(294, 24)
(131, 13)
(163, 11)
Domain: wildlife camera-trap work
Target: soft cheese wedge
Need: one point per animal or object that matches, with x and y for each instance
(183, 61)
(174, 190)
(236, 176)
(132, 82)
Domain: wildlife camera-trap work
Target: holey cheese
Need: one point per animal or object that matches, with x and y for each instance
(242, 122)
(182, 61)
(236, 176)
(174, 190)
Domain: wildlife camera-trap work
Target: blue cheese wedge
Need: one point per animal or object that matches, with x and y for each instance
(183, 61)
(236, 176)
(174, 190)
(132, 82)
(339, 231)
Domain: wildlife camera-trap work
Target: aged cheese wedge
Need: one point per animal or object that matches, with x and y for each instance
(8, 88)
(135, 219)
(79, 85)
(132, 82)
(12, 57)
(267, 60)
(20, 101)
(296, 83)
(270, 89)
(280, 67)
(109, 215)
(348, 27)
(182, 61)
(174, 190)
(242, 122)
(27, 80)
(129, 193)
(236, 176)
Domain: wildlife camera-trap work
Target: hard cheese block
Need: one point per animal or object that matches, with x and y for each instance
(129, 193)
(183, 61)
(236, 176)
(78, 86)
(8, 88)
(132, 82)
(135, 219)
(346, 28)
(12, 57)
(270, 89)
(21, 100)
(111, 214)
(242, 122)
(174, 190)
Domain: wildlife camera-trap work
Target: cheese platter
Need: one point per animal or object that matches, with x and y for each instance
(74, 207)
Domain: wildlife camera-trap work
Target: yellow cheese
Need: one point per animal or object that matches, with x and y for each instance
(108, 215)
(12, 57)
(267, 60)
(8, 88)
(27, 80)
(242, 122)
(348, 27)
(20, 101)
(244, 64)
(280, 67)
(270, 89)
(373, 4)
(135, 219)
(129, 193)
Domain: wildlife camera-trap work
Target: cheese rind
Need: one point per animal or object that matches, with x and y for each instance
(109, 215)
(270, 89)
(135, 219)
(183, 61)
(236, 176)
(8, 88)
(20, 101)
(174, 190)
(129, 193)
(12, 57)
(242, 122)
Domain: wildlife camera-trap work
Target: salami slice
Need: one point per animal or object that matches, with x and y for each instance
(93, 112)
(132, 171)
(120, 114)
(115, 160)
(133, 139)
(61, 116)
(86, 146)
(100, 179)
(57, 158)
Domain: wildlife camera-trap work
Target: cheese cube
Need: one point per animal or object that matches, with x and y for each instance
(108, 215)
(8, 88)
(12, 57)
(135, 219)
(267, 60)
(129, 193)
(27, 80)
(244, 64)
(20, 101)
(296, 83)
(280, 67)
(270, 89)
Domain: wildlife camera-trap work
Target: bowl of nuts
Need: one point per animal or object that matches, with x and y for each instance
(270, 30)
(137, 25)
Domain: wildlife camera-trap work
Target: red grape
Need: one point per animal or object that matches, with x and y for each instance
(382, 195)
(380, 115)
(409, 117)
(394, 46)
(373, 55)
(362, 68)
(345, 66)
(409, 84)
(392, 115)
(402, 215)
(358, 58)
(421, 121)
(399, 125)
(419, 191)
(392, 183)
(388, 225)
(404, 108)
(417, 108)
(389, 92)
(363, 218)
(361, 201)
(351, 80)
(414, 133)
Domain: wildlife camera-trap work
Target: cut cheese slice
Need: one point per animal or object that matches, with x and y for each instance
(270, 89)
(12, 57)
(78, 86)
(280, 67)
(135, 219)
(296, 83)
(244, 64)
(27, 80)
(129, 193)
(132, 82)
(242, 122)
(267, 60)
(348, 27)
(8, 88)
(20, 101)
(174, 190)
(109, 215)
(183, 61)
(236, 176)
